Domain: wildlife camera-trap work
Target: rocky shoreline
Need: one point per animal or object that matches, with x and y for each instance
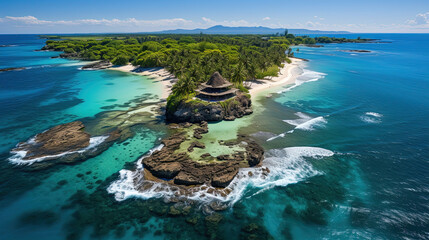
(198, 111)
(179, 168)
(103, 64)
(65, 143)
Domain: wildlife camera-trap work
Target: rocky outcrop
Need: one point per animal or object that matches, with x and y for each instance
(11, 69)
(196, 145)
(198, 111)
(64, 143)
(98, 65)
(254, 151)
(171, 164)
(70, 55)
(204, 128)
(57, 140)
(216, 174)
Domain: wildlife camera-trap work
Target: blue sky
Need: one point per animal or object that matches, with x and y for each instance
(77, 16)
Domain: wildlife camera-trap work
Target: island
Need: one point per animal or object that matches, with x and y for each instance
(206, 78)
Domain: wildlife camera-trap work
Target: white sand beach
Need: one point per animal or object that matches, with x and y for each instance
(161, 74)
(287, 75)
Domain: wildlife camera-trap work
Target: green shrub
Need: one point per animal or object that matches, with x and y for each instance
(243, 89)
(121, 60)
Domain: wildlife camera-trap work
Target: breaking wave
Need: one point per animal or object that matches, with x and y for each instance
(18, 156)
(371, 117)
(304, 122)
(280, 167)
(306, 76)
(41, 66)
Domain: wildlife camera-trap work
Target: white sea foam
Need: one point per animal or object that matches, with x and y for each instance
(304, 122)
(18, 156)
(306, 76)
(280, 167)
(374, 114)
(40, 66)
(140, 161)
(371, 117)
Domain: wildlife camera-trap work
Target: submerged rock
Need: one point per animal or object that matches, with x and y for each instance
(171, 163)
(195, 145)
(12, 69)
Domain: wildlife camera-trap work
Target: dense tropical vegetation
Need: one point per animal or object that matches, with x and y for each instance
(191, 58)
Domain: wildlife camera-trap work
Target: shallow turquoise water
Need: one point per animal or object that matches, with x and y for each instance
(369, 109)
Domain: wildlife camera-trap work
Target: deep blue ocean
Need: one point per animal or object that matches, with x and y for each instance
(352, 137)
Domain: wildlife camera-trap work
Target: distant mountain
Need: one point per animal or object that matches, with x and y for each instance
(219, 29)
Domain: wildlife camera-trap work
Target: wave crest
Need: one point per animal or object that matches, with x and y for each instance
(18, 156)
(306, 76)
(279, 168)
(304, 122)
(371, 117)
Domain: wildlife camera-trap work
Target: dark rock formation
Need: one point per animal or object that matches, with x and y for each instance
(12, 69)
(204, 128)
(64, 143)
(198, 111)
(168, 163)
(70, 55)
(59, 139)
(195, 145)
(254, 153)
(98, 65)
(165, 163)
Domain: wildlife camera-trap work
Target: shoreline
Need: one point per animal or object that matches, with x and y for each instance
(287, 75)
(158, 73)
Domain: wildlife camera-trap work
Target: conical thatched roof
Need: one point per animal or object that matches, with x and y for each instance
(217, 81)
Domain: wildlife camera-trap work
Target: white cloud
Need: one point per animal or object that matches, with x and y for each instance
(420, 19)
(206, 19)
(33, 20)
(31, 24)
(25, 19)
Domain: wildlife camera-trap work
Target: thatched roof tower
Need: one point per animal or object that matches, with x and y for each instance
(217, 81)
(216, 89)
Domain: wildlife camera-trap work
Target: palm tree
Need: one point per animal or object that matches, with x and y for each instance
(239, 75)
(184, 86)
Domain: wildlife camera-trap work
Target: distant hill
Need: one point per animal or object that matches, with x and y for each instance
(219, 29)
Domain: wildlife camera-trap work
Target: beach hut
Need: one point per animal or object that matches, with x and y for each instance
(216, 89)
